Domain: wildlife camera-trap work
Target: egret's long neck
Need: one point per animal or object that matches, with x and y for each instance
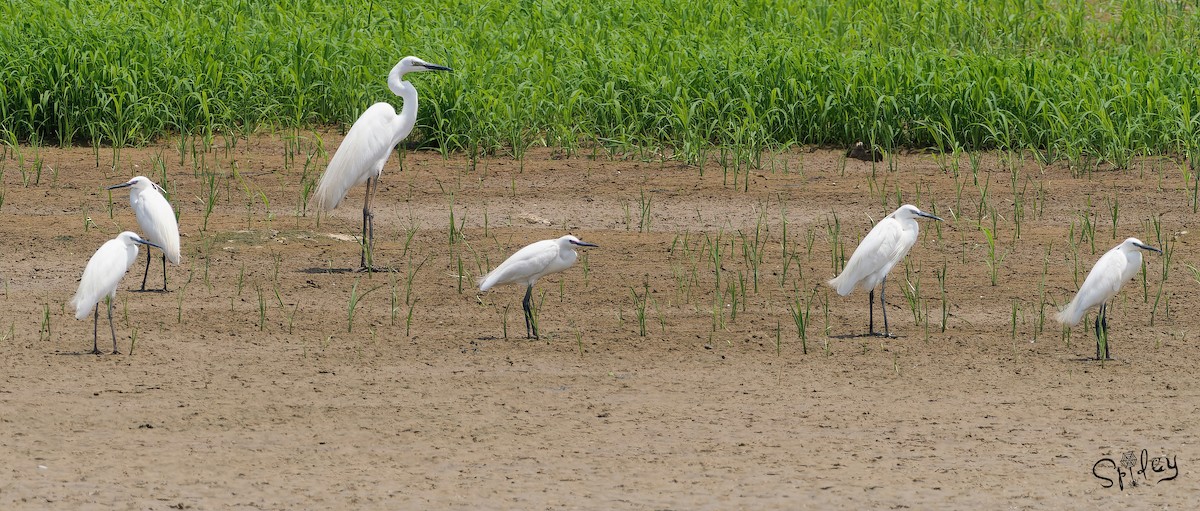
(408, 112)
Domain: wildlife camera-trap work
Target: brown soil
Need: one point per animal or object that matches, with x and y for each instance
(245, 389)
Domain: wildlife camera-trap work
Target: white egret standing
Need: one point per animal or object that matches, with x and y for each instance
(367, 146)
(530, 264)
(157, 220)
(1114, 269)
(103, 272)
(880, 250)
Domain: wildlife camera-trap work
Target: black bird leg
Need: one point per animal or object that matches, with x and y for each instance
(530, 322)
(95, 328)
(368, 231)
(871, 312)
(147, 274)
(164, 260)
(883, 306)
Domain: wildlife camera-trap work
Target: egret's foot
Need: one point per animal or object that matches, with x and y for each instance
(370, 269)
(115, 352)
(96, 352)
(885, 335)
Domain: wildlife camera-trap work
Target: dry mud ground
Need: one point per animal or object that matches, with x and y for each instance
(249, 386)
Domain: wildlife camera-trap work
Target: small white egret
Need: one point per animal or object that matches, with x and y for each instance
(368, 145)
(157, 220)
(531, 263)
(880, 250)
(1114, 269)
(101, 276)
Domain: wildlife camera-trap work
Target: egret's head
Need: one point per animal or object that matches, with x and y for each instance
(571, 240)
(412, 64)
(131, 238)
(1134, 244)
(909, 211)
(138, 184)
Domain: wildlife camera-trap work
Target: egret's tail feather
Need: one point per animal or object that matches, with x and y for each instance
(80, 312)
(837, 284)
(171, 248)
(329, 194)
(1069, 315)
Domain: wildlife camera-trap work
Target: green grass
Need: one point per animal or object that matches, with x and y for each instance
(1072, 79)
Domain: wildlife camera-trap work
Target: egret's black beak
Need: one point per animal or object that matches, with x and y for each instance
(147, 242)
(122, 185)
(1147, 247)
(584, 244)
(435, 67)
(927, 215)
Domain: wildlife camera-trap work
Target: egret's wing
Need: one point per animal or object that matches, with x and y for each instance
(103, 272)
(1101, 283)
(522, 266)
(877, 250)
(157, 220)
(361, 155)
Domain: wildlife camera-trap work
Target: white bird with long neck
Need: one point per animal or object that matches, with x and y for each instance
(157, 220)
(101, 276)
(368, 145)
(1111, 271)
(885, 245)
(528, 265)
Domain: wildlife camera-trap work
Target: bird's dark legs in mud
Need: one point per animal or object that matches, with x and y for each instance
(530, 321)
(368, 231)
(871, 312)
(95, 328)
(883, 306)
(148, 271)
(871, 315)
(147, 274)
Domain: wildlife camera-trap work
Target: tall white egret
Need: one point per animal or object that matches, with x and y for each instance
(101, 276)
(367, 146)
(883, 247)
(1113, 270)
(157, 220)
(530, 264)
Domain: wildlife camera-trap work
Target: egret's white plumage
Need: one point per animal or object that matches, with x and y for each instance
(101, 276)
(1111, 271)
(885, 245)
(369, 143)
(157, 220)
(531, 263)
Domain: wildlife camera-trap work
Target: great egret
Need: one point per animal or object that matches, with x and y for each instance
(368, 144)
(883, 247)
(530, 264)
(1114, 269)
(103, 272)
(157, 220)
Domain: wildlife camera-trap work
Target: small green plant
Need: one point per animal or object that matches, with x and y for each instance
(801, 310)
(354, 299)
(644, 207)
(44, 331)
(639, 306)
